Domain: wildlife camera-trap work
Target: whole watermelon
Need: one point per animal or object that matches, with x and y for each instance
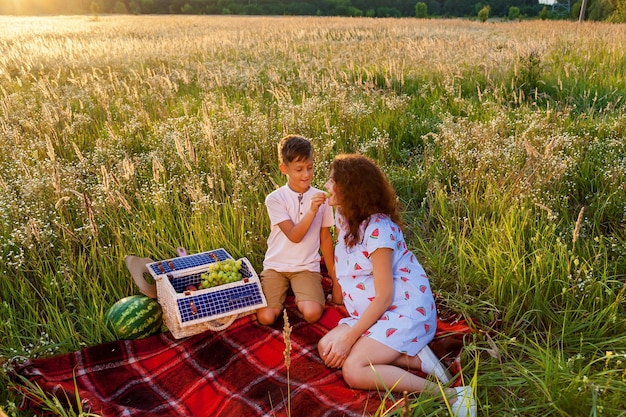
(134, 317)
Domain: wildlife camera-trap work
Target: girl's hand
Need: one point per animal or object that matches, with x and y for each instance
(335, 357)
(337, 351)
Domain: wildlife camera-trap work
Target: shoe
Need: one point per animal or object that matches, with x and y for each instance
(432, 366)
(465, 405)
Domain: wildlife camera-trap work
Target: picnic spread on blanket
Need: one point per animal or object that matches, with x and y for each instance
(238, 370)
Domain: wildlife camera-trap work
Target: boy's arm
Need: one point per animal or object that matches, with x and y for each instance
(296, 231)
(328, 252)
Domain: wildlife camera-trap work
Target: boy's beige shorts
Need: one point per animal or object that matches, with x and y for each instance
(306, 286)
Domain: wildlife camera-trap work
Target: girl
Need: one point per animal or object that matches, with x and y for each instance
(392, 314)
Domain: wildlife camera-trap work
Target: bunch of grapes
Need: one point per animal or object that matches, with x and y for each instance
(222, 272)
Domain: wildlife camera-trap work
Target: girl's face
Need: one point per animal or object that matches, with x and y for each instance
(330, 186)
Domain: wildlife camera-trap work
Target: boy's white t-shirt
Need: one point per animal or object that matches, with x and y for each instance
(282, 254)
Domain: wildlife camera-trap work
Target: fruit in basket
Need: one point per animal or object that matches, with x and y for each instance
(134, 317)
(221, 272)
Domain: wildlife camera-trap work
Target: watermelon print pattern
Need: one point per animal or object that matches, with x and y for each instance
(410, 322)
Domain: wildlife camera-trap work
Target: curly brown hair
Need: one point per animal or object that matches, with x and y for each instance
(362, 189)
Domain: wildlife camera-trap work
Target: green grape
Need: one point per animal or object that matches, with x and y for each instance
(222, 272)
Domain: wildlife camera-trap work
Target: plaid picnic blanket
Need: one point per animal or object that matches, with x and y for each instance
(236, 372)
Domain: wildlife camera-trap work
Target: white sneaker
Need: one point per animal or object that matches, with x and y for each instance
(465, 405)
(432, 366)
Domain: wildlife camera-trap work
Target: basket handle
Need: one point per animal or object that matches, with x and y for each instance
(137, 267)
(222, 326)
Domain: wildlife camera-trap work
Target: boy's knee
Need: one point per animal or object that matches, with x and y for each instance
(312, 317)
(312, 312)
(267, 316)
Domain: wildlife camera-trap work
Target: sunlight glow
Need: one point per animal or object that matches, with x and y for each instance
(29, 7)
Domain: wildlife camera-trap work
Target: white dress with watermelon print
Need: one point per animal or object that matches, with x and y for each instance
(410, 322)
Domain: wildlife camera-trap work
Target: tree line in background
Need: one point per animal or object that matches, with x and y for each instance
(597, 10)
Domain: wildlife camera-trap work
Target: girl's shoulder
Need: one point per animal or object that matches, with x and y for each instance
(381, 224)
(380, 220)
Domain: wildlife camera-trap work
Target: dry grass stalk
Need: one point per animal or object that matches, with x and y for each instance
(530, 150)
(105, 179)
(128, 169)
(123, 202)
(157, 169)
(406, 409)
(287, 355)
(546, 209)
(78, 152)
(287, 339)
(3, 184)
(207, 128)
(579, 221)
(181, 152)
(50, 149)
(191, 151)
(34, 229)
(90, 216)
(56, 179)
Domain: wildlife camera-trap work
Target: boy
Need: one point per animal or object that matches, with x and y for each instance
(300, 226)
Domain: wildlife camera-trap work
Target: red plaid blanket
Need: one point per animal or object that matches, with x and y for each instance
(236, 372)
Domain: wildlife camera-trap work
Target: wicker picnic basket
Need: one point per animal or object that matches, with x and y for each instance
(186, 312)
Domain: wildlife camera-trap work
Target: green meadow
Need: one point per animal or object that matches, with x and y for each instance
(506, 143)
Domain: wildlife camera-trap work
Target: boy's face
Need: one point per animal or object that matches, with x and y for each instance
(299, 174)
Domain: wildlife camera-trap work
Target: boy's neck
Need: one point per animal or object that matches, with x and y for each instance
(298, 191)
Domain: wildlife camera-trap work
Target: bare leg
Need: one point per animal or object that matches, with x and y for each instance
(372, 365)
(427, 362)
(408, 362)
(311, 310)
(267, 315)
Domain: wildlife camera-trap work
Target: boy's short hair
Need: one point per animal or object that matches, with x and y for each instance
(294, 148)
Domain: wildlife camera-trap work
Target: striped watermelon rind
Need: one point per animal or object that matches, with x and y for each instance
(134, 317)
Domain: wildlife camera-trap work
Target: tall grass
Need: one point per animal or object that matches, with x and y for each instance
(505, 141)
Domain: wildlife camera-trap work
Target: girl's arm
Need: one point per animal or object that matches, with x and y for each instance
(383, 285)
(338, 348)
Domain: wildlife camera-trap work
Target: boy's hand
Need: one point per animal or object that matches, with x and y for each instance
(317, 200)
